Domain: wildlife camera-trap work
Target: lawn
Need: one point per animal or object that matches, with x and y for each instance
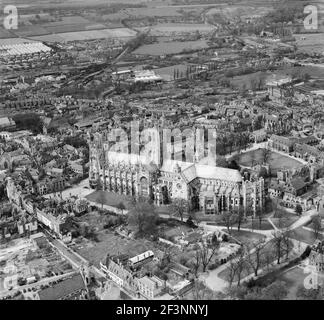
(108, 198)
(112, 244)
(287, 218)
(246, 237)
(277, 161)
(174, 47)
(306, 236)
(293, 278)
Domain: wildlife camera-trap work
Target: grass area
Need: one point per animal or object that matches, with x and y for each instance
(305, 235)
(276, 161)
(284, 218)
(246, 237)
(112, 244)
(108, 198)
(293, 278)
(170, 47)
(255, 224)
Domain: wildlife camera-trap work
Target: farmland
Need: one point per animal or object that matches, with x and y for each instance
(165, 48)
(171, 28)
(310, 43)
(87, 35)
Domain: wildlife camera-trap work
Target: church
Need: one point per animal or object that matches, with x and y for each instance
(205, 188)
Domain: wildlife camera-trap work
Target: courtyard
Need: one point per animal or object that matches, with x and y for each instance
(277, 161)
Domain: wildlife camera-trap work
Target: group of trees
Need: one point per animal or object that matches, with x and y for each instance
(277, 290)
(203, 255)
(227, 143)
(143, 217)
(258, 255)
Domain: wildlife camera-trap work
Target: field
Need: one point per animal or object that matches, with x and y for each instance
(246, 237)
(87, 35)
(5, 42)
(112, 244)
(310, 43)
(306, 236)
(169, 28)
(164, 48)
(167, 73)
(277, 161)
(314, 72)
(293, 278)
(108, 198)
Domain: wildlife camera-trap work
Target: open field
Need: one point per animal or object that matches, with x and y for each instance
(169, 28)
(306, 236)
(167, 73)
(310, 43)
(277, 161)
(164, 48)
(87, 35)
(246, 237)
(314, 72)
(108, 198)
(112, 244)
(11, 41)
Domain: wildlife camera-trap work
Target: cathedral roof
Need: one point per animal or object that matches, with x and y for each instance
(191, 171)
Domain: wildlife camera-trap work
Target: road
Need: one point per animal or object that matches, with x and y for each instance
(36, 284)
(216, 283)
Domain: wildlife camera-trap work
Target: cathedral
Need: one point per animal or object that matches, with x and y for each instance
(205, 188)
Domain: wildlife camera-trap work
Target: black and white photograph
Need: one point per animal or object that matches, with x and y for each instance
(164, 155)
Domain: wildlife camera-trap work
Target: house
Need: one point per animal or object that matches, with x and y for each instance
(280, 143)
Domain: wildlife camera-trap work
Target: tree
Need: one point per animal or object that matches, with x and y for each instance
(255, 258)
(207, 252)
(299, 209)
(200, 291)
(179, 207)
(266, 155)
(239, 217)
(316, 225)
(121, 207)
(144, 217)
(196, 262)
(228, 218)
(278, 240)
(241, 265)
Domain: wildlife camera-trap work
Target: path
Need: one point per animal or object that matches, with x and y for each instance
(216, 283)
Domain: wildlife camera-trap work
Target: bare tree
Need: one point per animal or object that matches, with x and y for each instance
(241, 265)
(230, 277)
(200, 291)
(196, 262)
(179, 207)
(207, 252)
(239, 217)
(278, 241)
(266, 154)
(254, 259)
(228, 218)
(316, 225)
